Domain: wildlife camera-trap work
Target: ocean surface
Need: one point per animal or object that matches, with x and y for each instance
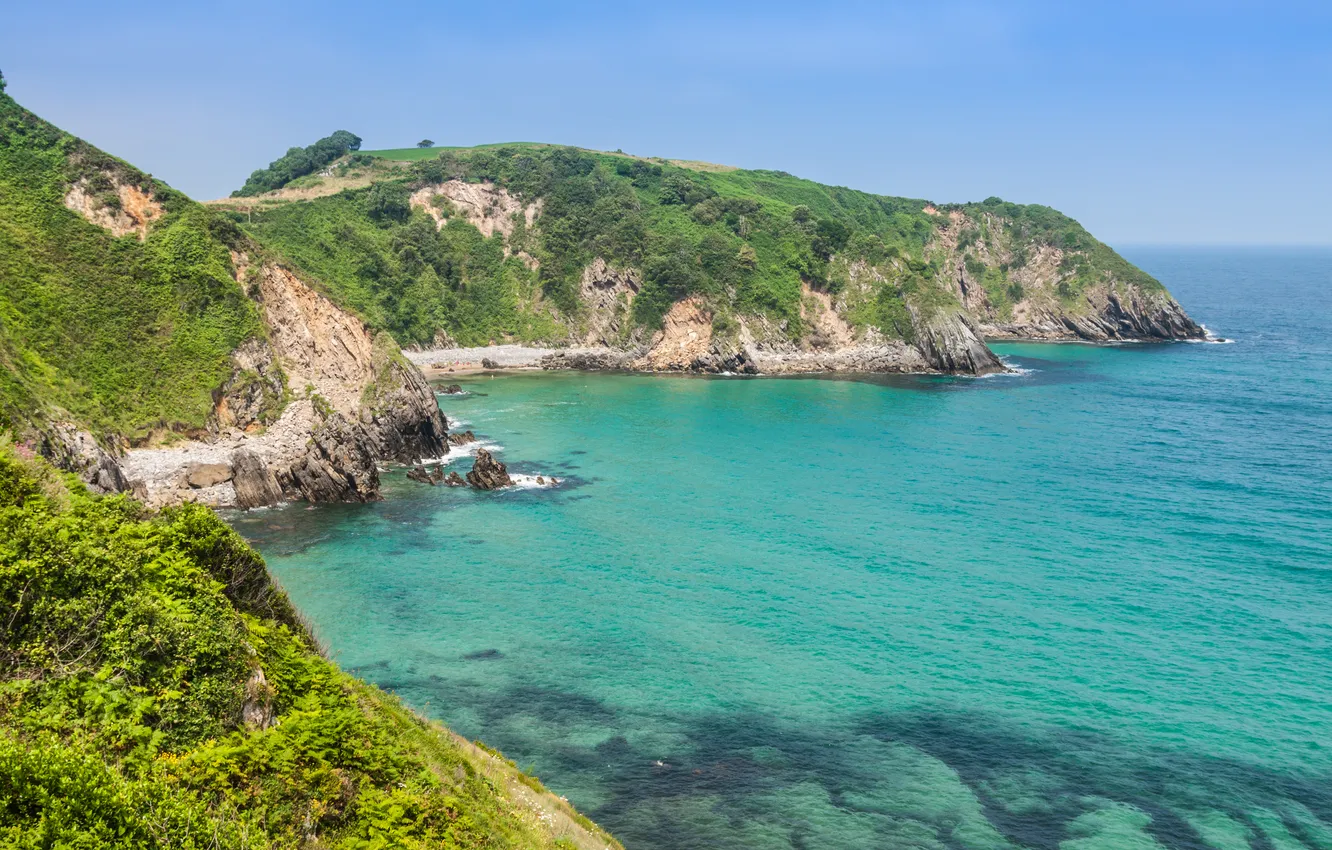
(1084, 606)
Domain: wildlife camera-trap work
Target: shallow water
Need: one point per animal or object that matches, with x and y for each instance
(1083, 607)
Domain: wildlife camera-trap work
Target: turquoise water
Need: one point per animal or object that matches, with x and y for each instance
(1088, 606)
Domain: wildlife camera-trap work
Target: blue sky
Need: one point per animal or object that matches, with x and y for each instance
(1149, 122)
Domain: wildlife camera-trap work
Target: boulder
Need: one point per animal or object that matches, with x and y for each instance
(453, 389)
(201, 475)
(488, 473)
(453, 479)
(487, 363)
(255, 484)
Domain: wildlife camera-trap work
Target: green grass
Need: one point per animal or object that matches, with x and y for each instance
(418, 154)
(120, 335)
(131, 647)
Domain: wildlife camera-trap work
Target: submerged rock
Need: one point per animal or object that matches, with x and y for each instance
(488, 473)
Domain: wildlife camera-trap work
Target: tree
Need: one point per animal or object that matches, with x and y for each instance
(2, 82)
(425, 143)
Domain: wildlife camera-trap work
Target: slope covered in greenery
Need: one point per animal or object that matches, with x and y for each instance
(156, 690)
(298, 162)
(744, 241)
(115, 332)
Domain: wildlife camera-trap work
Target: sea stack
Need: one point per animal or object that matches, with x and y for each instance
(488, 473)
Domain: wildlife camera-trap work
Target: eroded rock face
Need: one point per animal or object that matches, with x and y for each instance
(77, 451)
(1108, 315)
(121, 208)
(607, 294)
(950, 342)
(489, 208)
(252, 481)
(461, 438)
(488, 473)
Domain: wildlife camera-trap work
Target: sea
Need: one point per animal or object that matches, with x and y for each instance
(1086, 605)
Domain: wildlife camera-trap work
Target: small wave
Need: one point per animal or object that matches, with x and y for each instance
(465, 450)
(441, 394)
(1211, 338)
(529, 482)
(1013, 371)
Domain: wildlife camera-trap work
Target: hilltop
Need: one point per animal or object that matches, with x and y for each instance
(649, 263)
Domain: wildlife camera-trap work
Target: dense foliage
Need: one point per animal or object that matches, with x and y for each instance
(129, 665)
(298, 162)
(746, 242)
(122, 334)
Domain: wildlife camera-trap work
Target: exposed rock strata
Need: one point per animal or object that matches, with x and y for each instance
(488, 473)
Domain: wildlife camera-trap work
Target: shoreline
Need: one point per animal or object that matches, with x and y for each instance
(440, 363)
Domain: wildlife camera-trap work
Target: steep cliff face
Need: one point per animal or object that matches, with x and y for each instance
(149, 345)
(347, 400)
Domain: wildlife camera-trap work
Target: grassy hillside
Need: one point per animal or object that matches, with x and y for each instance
(744, 241)
(156, 690)
(118, 333)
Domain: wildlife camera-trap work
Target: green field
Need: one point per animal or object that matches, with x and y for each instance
(417, 154)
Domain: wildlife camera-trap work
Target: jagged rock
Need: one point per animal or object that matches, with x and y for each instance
(951, 343)
(453, 389)
(431, 475)
(254, 483)
(338, 466)
(73, 449)
(541, 480)
(488, 473)
(487, 363)
(453, 479)
(462, 438)
(201, 475)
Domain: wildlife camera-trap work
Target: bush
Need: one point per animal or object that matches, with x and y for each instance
(298, 162)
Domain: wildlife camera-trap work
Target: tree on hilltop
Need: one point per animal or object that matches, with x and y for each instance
(425, 143)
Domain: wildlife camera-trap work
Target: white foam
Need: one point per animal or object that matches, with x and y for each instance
(529, 482)
(1212, 338)
(465, 450)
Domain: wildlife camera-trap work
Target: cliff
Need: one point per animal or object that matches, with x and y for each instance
(649, 264)
(158, 690)
(148, 344)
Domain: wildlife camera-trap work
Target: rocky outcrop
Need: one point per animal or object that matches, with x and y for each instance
(452, 389)
(77, 451)
(307, 413)
(1109, 315)
(951, 343)
(488, 473)
(461, 438)
(253, 483)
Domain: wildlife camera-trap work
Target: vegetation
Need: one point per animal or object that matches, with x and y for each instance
(746, 242)
(156, 690)
(298, 162)
(120, 334)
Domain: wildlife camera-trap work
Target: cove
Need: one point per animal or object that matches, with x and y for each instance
(1082, 606)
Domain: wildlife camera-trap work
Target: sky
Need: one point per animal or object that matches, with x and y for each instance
(1150, 122)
